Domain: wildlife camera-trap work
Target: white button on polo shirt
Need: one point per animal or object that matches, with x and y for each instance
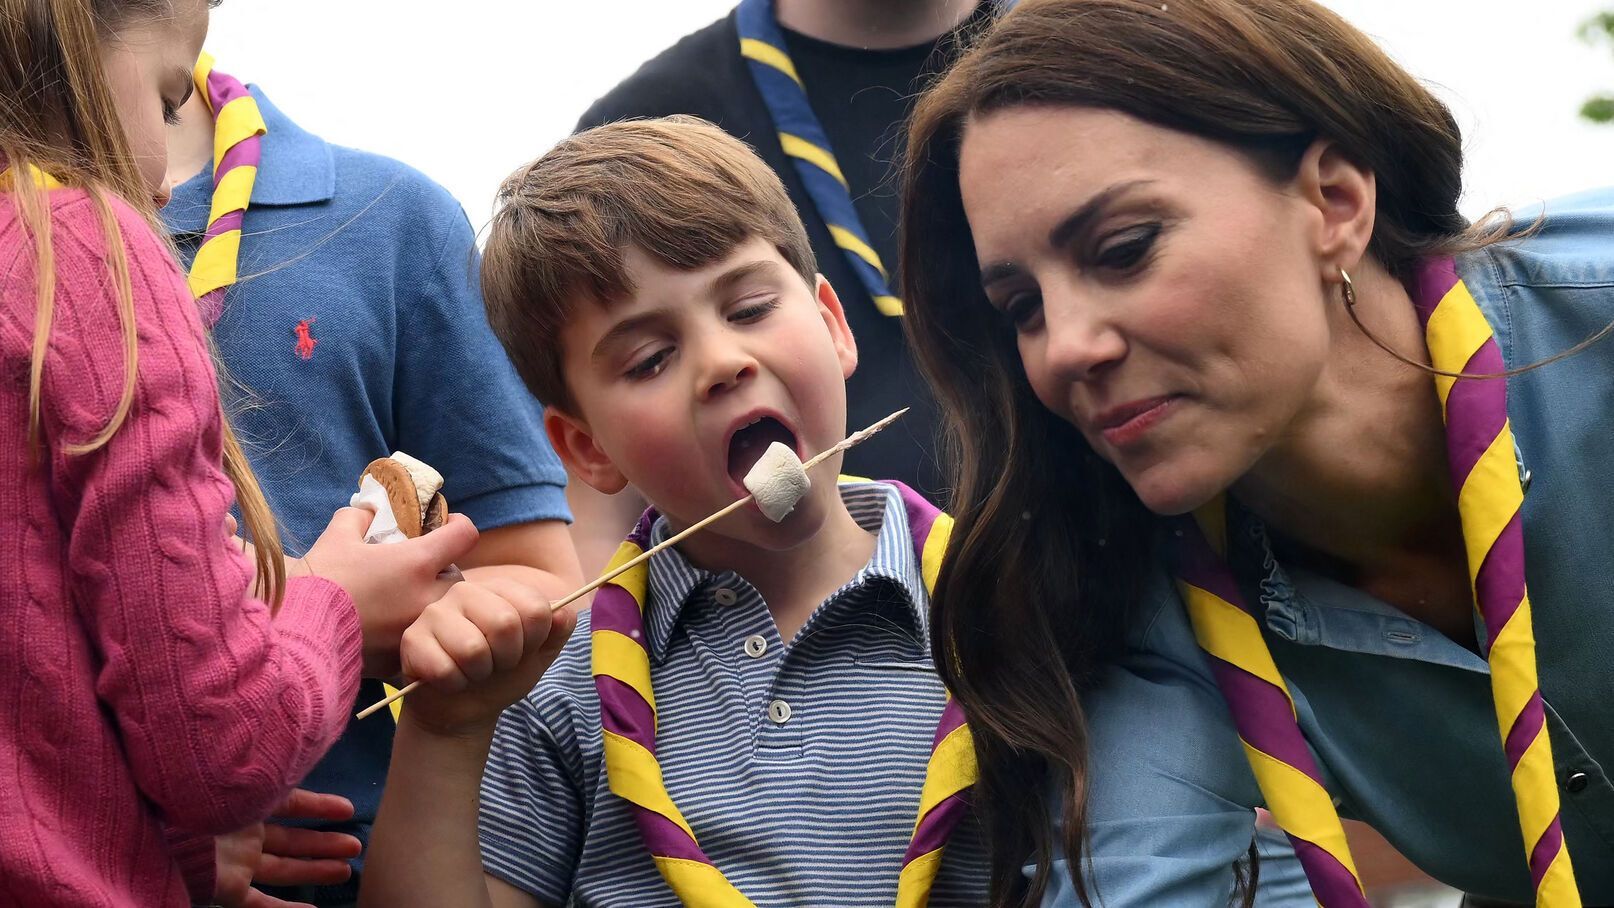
(779, 712)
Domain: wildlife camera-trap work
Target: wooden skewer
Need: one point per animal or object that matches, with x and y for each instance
(850, 440)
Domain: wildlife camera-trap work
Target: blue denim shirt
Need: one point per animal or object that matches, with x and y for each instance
(1399, 716)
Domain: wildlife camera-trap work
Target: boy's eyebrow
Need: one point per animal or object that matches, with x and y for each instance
(739, 274)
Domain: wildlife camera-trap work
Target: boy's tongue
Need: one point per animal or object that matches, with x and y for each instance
(748, 445)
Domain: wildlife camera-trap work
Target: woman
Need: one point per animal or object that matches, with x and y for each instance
(1193, 285)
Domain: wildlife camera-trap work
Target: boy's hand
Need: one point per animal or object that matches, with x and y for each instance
(390, 584)
(479, 649)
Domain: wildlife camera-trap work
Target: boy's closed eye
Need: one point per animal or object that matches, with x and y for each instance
(649, 365)
(753, 308)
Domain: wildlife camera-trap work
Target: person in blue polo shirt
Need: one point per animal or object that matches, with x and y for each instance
(355, 328)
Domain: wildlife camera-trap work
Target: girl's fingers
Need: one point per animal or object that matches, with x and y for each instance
(276, 871)
(314, 805)
(296, 842)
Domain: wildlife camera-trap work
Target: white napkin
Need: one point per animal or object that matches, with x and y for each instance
(373, 497)
(384, 528)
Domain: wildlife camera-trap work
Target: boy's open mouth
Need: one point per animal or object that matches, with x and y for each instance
(748, 443)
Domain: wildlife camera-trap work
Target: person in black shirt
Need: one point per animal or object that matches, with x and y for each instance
(862, 63)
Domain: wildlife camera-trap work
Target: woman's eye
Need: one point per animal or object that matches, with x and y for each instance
(170, 113)
(1126, 249)
(1023, 309)
(752, 311)
(650, 365)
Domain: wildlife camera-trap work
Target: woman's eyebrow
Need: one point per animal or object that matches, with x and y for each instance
(1082, 218)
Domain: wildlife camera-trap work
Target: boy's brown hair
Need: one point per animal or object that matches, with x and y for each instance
(679, 188)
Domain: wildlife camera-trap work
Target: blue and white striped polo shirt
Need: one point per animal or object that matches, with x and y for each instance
(798, 766)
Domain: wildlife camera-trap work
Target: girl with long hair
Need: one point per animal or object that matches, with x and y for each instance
(1261, 463)
(152, 700)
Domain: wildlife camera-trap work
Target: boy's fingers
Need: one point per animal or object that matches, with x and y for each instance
(528, 604)
(424, 658)
(501, 626)
(465, 644)
(560, 628)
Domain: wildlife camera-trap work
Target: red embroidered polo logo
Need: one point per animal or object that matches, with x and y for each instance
(305, 338)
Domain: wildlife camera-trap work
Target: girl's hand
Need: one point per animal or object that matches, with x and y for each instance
(479, 649)
(390, 584)
(275, 855)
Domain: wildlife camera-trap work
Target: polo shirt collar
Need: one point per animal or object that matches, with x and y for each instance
(296, 169)
(674, 582)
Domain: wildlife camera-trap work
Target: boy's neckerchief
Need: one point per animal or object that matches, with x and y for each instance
(762, 44)
(1479, 446)
(238, 129)
(621, 668)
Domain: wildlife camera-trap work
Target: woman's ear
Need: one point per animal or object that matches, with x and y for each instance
(1345, 197)
(577, 449)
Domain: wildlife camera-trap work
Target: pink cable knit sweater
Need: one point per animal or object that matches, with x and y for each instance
(142, 689)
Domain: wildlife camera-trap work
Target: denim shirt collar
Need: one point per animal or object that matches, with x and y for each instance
(1307, 608)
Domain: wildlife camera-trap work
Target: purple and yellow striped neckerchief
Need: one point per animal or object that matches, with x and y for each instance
(39, 178)
(621, 668)
(238, 130)
(1479, 447)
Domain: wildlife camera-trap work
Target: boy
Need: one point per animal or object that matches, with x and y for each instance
(652, 282)
(861, 63)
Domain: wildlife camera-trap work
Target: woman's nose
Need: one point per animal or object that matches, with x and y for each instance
(1080, 342)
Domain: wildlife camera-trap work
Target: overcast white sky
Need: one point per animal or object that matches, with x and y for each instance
(467, 91)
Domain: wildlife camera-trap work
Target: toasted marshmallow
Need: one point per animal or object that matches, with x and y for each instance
(428, 482)
(778, 481)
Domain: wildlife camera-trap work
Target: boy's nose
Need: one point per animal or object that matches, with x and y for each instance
(726, 371)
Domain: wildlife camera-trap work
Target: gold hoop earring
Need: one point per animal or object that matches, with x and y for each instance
(1347, 289)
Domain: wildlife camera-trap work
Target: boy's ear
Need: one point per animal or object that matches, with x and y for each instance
(829, 306)
(570, 438)
(1345, 197)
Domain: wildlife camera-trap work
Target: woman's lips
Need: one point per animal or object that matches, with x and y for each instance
(1129, 423)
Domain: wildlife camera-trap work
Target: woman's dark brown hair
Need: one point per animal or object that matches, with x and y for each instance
(1051, 545)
